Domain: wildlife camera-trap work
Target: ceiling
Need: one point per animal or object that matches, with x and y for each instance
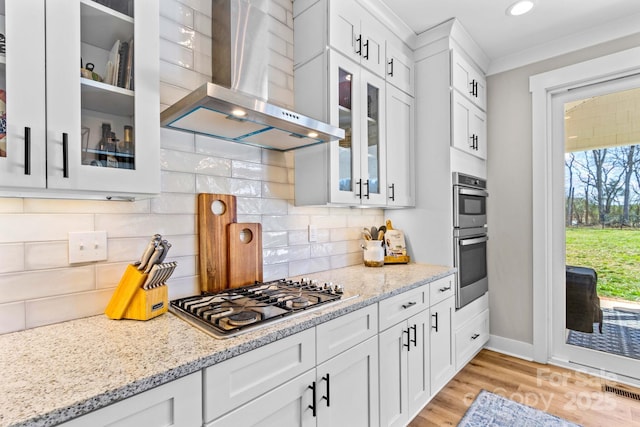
(553, 27)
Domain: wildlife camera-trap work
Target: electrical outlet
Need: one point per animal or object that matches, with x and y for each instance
(313, 233)
(87, 246)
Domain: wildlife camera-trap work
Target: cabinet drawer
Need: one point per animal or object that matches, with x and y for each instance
(401, 307)
(471, 337)
(441, 289)
(178, 403)
(236, 381)
(340, 334)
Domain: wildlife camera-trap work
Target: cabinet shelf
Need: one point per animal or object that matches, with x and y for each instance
(109, 153)
(102, 26)
(98, 96)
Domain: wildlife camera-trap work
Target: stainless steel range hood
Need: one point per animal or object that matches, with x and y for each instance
(234, 106)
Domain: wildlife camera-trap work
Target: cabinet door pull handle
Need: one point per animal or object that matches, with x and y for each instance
(391, 67)
(65, 155)
(366, 55)
(313, 403)
(393, 192)
(415, 335)
(436, 325)
(367, 184)
(408, 344)
(445, 289)
(359, 184)
(327, 397)
(409, 304)
(475, 336)
(359, 41)
(27, 150)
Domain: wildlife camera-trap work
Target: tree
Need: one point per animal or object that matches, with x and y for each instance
(569, 165)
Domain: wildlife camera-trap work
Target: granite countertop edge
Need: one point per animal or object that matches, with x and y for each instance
(262, 337)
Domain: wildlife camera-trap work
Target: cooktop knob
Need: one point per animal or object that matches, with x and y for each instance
(338, 289)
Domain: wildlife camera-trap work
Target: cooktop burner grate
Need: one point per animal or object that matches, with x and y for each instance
(230, 312)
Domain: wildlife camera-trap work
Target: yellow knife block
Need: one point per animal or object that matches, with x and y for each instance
(130, 301)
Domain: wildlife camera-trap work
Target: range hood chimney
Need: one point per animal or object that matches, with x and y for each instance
(234, 106)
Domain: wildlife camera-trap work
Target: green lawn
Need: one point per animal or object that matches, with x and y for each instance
(613, 253)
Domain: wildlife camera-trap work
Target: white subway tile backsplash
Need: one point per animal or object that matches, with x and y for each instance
(177, 140)
(43, 255)
(170, 94)
(179, 55)
(177, 33)
(275, 271)
(11, 205)
(281, 30)
(145, 225)
(177, 12)
(339, 261)
(172, 203)
(177, 182)
(180, 76)
(187, 266)
(11, 257)
(45, 311)
(284, 223)
(286, 254)
(319, 250)
(257, 171)
(274, 239)
(283, 159)
(322, 221)
(276, 190)
(249, 218)
(41, 227)
(50, 206)
(180, 287)
(278, 12)
(349, 233)
(299, 268)
(12, 317)
(202, 63)
(127, 249)
(109, 275)
(202, 24)
(44, 283)
(184, 245)
(201, 6)
(180, 161)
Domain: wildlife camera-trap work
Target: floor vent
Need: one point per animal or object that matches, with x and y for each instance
(621, 392)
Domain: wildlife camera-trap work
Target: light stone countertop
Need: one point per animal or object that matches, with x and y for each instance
(54, 373)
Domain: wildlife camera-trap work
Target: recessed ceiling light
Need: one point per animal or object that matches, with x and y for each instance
(239, 113)
(520, 7)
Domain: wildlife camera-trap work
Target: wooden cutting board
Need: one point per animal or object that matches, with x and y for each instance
(245, 254)
(212, 232)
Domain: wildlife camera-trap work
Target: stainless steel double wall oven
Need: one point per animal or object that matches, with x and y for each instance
(470, 237)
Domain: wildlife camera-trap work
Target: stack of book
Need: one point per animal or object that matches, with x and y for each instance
(120, 65)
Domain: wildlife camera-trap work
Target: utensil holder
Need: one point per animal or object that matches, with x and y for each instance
(131, 301)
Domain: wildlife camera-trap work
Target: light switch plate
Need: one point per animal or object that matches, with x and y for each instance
(87, 246)
(313, 233)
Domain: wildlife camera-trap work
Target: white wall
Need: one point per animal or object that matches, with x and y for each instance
(510, 185)
(39, 287)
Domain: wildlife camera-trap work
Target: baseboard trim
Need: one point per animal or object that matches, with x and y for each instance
(510, 347)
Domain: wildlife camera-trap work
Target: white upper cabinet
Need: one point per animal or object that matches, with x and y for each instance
(400, 148)
(355, 33)
(399, 64)
(101, 101)
(468, 81)
(469, 126)
(342, 76)
(22, 95)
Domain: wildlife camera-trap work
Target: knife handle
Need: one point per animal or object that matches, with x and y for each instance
(166, 245)
(154, 258)
(151, 247)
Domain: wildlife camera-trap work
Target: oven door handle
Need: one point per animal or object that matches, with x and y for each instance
(467, 242)
(472, 192)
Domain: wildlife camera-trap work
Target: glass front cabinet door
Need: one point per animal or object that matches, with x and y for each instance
(357, 161)
(88, 126)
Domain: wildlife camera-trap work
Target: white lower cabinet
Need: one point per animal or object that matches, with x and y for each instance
(471, 337)
(347, 387)
(441, 346)
(241, 379)
(404, 370)
(287, 405)
(178, 403)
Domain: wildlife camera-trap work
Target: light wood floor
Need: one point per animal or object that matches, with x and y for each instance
(574, 396)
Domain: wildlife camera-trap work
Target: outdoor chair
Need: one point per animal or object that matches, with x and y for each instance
(582, 302)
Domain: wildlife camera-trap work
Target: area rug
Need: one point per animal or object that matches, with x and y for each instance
(491, 410)
(620, 334)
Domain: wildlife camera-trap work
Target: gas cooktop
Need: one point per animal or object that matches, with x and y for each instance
(231, 312)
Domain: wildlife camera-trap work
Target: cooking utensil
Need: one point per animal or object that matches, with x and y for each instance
(166, 246)
(215, 213)
(366, 234)
(245, 254)
(144, 259)
(154, 258)
(374, 232)
(380, 235)
(383, 228)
